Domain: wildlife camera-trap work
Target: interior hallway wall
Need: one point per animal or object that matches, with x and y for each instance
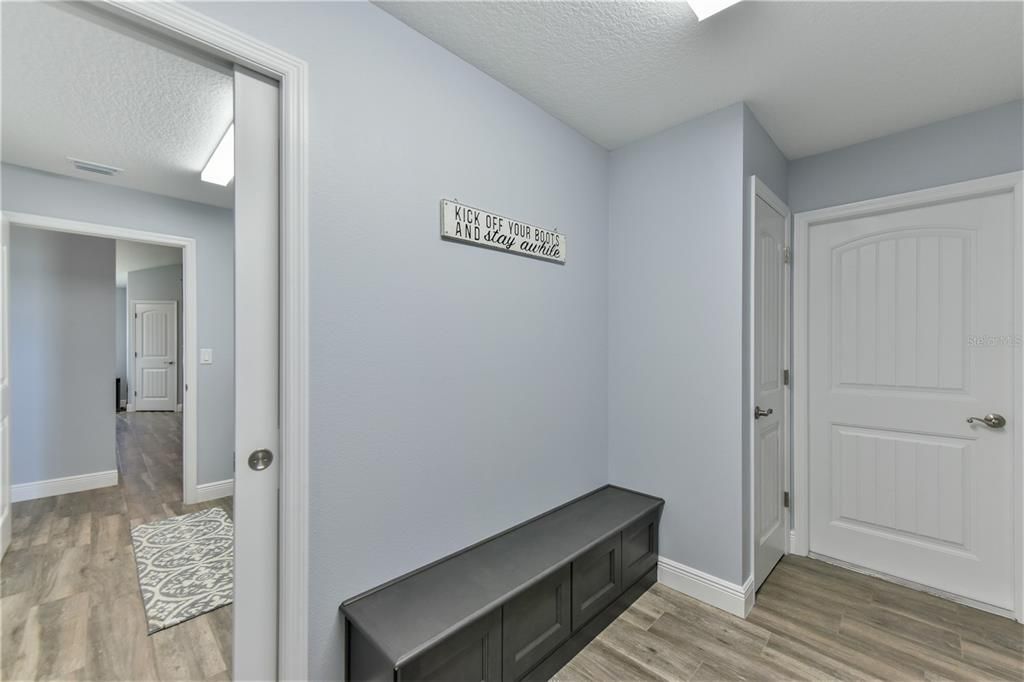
(455, 391)
(62, 355)
(975, 145)
(59, 196)
(156, 284)
(675, 333)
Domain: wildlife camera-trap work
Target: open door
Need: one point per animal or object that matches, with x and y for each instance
(770, 219)
(256, 376)
(5, 393)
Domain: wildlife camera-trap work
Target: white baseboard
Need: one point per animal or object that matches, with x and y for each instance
(722, 594)
(177, 408)
(61, 486)
(215, 490)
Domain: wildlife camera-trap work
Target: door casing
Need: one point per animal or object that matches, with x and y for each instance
(802, 224)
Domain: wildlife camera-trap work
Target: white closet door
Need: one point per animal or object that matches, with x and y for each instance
(770, 399)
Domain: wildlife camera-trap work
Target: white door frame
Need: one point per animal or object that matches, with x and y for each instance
(190, 339)
(803, 223)
(225, 43)
(178, 407)
(758, 189)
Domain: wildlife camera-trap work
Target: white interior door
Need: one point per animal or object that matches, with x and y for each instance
(770, 222)
(5, 393)
(256, 376)
(155, 355)
(910, 332)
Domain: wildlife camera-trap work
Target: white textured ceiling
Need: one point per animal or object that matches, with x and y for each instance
(72, 87)
(132, 256)
(818, 75)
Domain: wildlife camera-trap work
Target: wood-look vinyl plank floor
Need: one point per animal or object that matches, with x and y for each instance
(70, 607)
(811, 621)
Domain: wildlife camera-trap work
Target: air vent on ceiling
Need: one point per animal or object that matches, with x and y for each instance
(93, 167)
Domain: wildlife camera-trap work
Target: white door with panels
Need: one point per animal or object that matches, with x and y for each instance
(770, 350)
(155, 356)
(910, 333)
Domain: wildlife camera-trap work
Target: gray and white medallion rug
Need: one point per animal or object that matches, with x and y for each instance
(185, 565)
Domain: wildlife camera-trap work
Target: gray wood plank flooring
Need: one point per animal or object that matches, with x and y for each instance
(812, 621)
(70, 605)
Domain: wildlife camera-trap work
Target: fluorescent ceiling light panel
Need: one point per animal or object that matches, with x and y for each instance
(220, 169)
(705, 8)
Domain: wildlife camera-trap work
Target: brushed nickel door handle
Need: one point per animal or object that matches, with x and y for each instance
(758, 412)
(992, 420)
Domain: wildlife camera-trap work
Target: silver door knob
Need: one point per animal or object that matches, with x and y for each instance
(260, 459)
(992, 421)
(758, 412)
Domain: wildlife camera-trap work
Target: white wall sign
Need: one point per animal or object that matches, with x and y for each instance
(474, 226)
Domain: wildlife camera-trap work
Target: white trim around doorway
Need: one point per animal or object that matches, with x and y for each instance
(215, 39)
(802, 224)
(189, 490)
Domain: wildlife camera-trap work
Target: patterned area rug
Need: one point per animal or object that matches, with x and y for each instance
(185, 565)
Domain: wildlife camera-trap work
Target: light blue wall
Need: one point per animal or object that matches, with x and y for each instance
(761, 158)
(157, 284)
(62, 355)
(455, 391)
(975, 145)
(121, 338)
(675, 324)
(59, 196)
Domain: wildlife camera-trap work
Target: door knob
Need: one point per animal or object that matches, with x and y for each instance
(758, 412)
(992, 421)
(260, 459)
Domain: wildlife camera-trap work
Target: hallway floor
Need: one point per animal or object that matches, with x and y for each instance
(69, 593)
(812, 621)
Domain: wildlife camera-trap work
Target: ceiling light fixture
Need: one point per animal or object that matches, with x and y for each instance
(705, 8)
(220, 169)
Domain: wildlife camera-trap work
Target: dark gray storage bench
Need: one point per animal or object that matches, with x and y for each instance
(516, 606)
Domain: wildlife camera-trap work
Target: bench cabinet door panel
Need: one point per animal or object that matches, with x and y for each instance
(639, 549)
(596, 580)
(471, 655)
(535, 623)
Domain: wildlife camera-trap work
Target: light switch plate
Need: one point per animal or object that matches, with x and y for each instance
(205, 356)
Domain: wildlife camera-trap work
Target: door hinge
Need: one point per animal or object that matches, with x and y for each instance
(135, 392)
(136, 316)
(785, 377)
(136, 354)
(787, 254)
(785, 499)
